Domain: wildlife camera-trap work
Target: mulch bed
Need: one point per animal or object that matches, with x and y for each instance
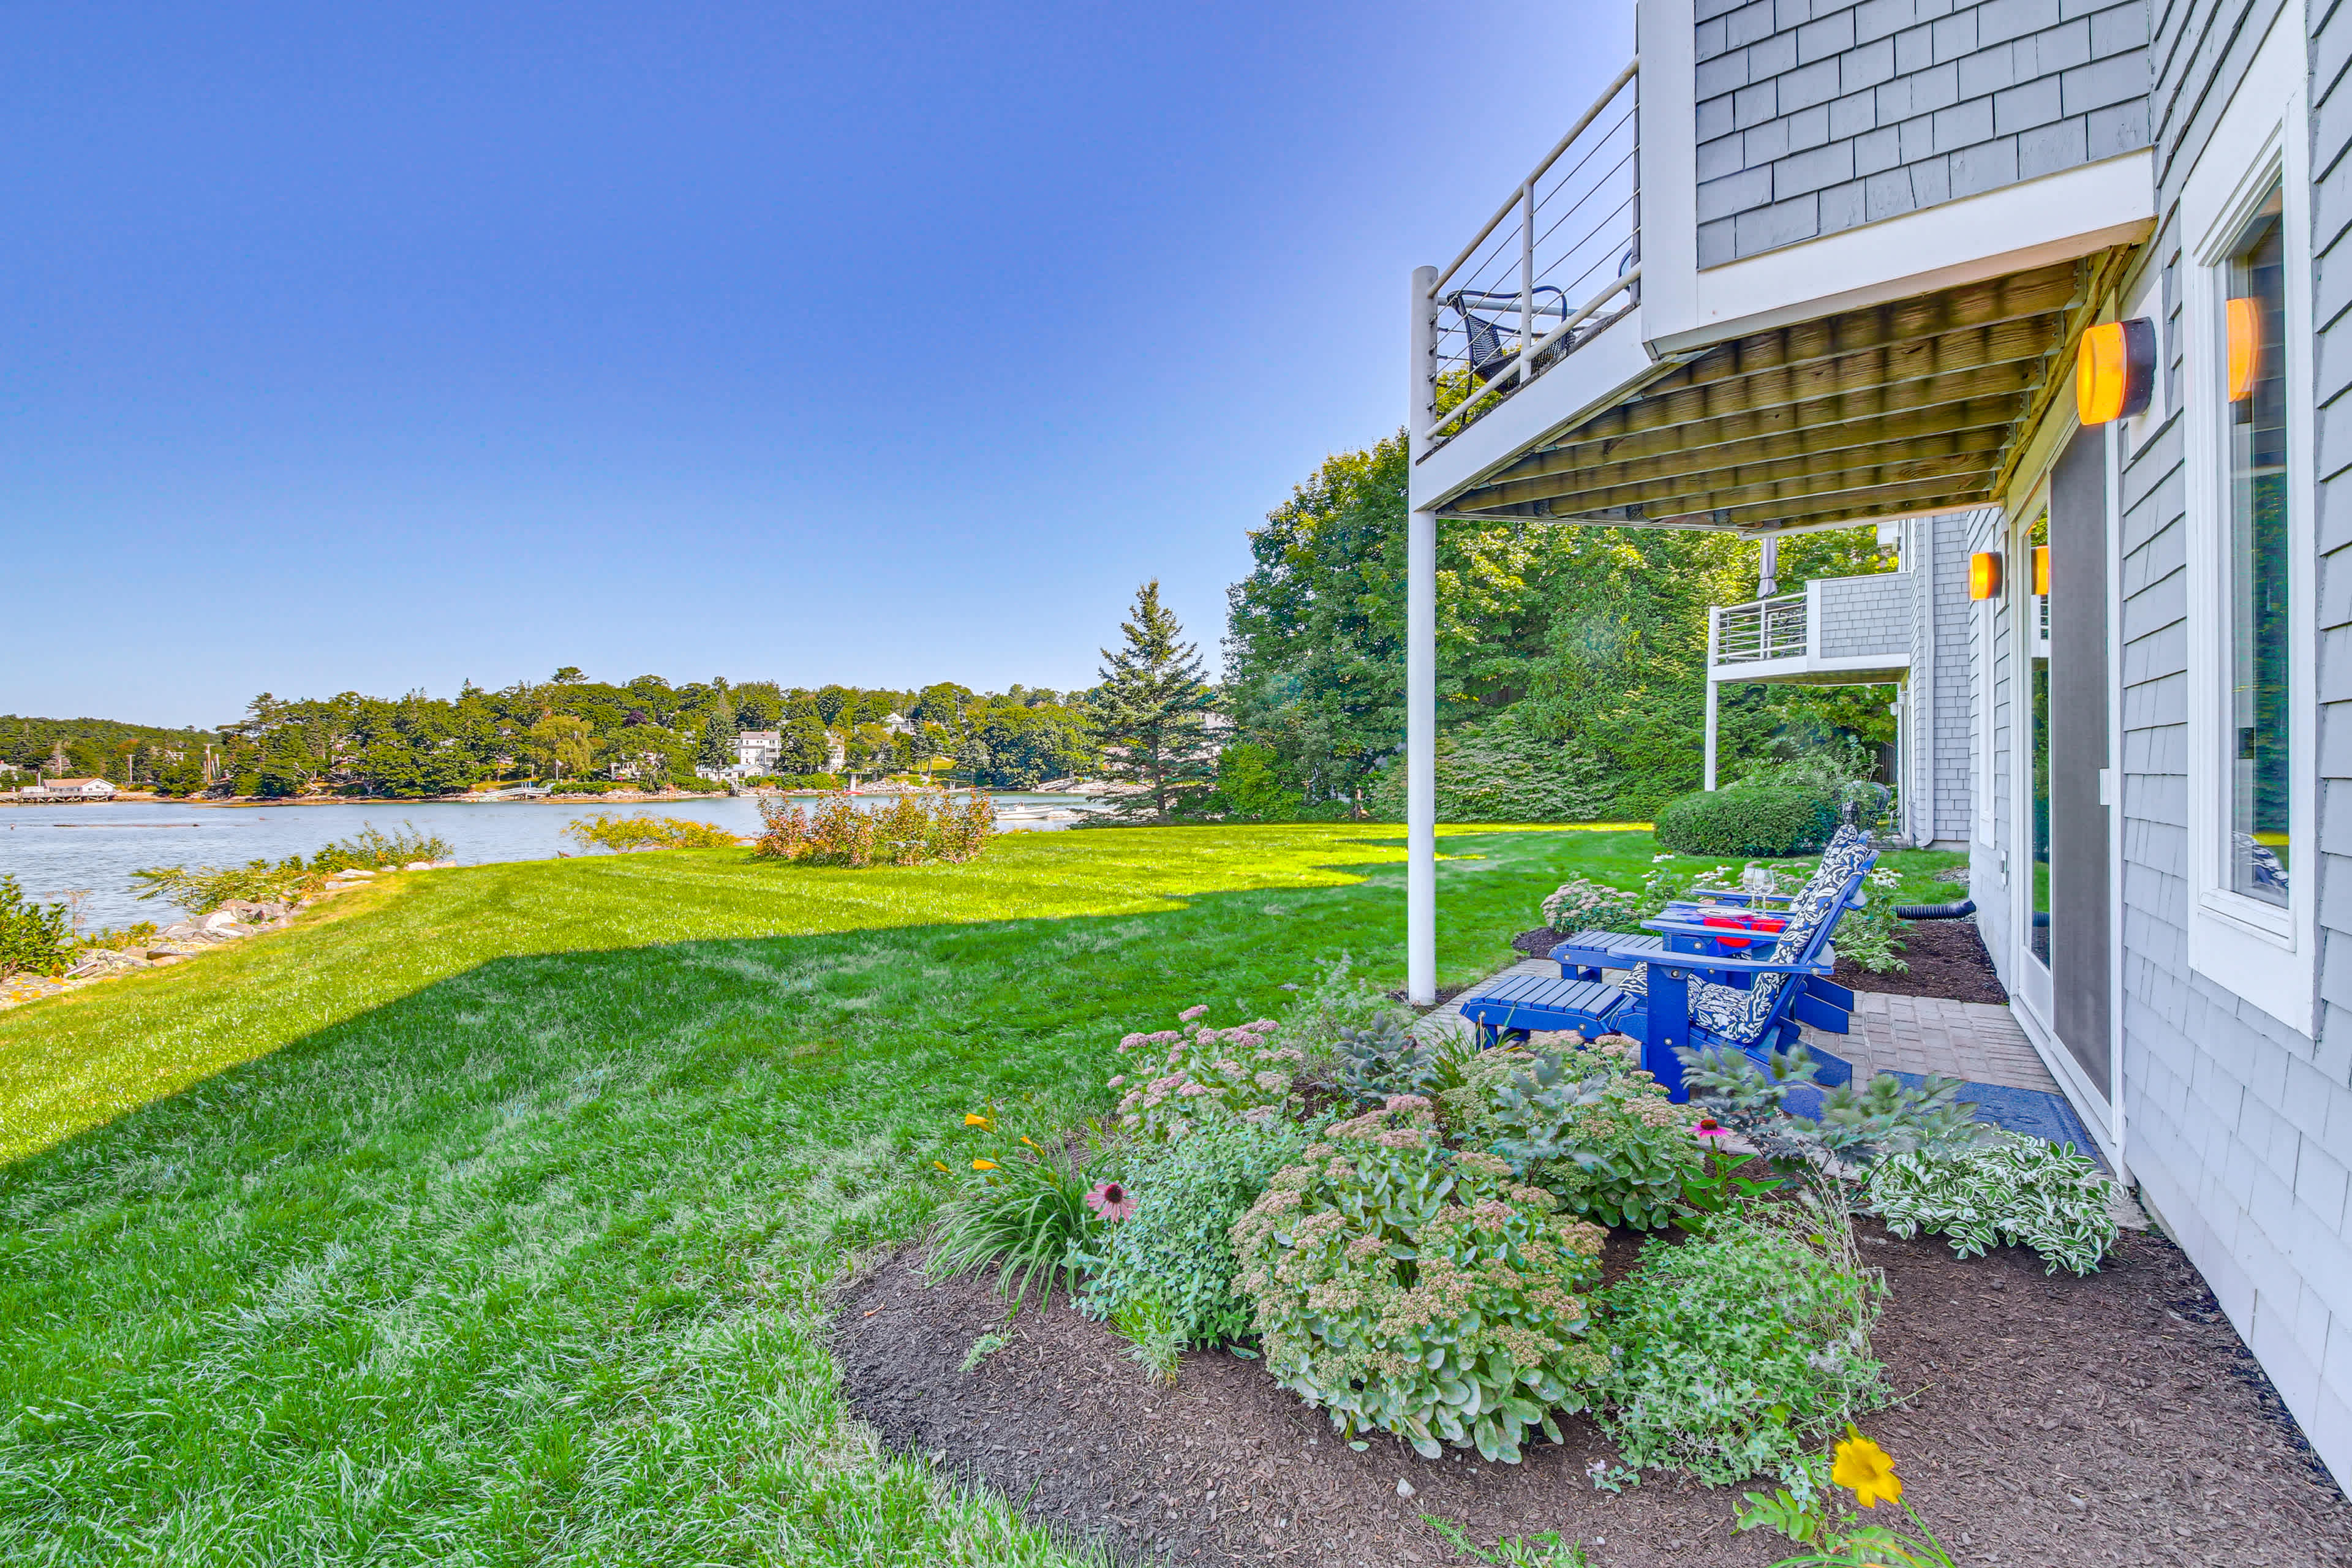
(1948, 960)
(2105, 1423)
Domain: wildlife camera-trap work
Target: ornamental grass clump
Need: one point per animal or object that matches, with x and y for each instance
(1738, 1350)
(2007, 1188)
(1404, 1287)
(1023, 1205)
(1184, 1078)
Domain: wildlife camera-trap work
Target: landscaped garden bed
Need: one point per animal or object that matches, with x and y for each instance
(2020, 1394)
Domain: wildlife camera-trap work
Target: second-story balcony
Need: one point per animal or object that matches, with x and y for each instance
(1714, 304)
(1836, 631)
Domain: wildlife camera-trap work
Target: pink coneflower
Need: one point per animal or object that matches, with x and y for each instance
(1708, 1127)
(1111, 1199)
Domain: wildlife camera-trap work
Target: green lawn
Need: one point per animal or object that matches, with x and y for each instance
(482, 1216)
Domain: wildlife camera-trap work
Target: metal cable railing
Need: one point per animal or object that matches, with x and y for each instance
(1760, 629)
(1553, 268)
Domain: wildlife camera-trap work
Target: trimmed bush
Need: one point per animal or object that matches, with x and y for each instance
(1771, 821)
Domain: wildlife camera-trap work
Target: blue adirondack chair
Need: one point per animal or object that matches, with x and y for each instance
(1679, 990)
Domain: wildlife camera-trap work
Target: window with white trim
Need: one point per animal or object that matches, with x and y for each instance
(2249, 423)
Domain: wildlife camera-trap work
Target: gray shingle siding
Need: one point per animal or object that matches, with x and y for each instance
(1815, 118)
(1866, 616)
(2240, 1128)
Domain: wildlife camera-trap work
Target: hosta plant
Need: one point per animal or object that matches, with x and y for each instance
(1380, 1058)
(1589, 1126)
(1181, 1079)
(1405, 1288)
(2007, 1188)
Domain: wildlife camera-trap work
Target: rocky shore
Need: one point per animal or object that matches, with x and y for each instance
(233, 921)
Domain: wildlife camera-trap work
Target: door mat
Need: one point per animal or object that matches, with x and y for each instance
(2036, 1113)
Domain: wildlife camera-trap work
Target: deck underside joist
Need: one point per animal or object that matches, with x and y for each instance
(1916, 405)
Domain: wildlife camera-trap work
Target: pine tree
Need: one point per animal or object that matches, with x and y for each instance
(718, 747)
(1150, 711)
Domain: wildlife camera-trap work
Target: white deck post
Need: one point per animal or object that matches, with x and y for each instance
(1421, 677)
(1714, 639)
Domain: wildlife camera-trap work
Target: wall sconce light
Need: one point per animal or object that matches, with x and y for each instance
(2114, 373)
(2244, 318)
(1984, 574)
(2042, 569)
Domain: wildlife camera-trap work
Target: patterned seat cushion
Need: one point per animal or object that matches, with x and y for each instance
(1740, 1015)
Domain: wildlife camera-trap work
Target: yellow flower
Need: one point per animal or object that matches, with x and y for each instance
(973, 1118)
(983, 1165)
(1864, 1468)
(936, 1165)
(1031, 1146)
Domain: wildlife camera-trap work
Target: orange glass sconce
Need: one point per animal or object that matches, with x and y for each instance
(1984, 574)
(2114, 373)
(2042, 569)
(2244, 320)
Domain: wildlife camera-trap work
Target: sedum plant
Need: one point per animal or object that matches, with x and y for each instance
(1407, 1288)
(1173, 1249)
(2007, 1188)
(1183, 1078)
(1582, 904)
(1738, 1350)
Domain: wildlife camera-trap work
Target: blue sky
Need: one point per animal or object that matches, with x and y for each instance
(375, 347)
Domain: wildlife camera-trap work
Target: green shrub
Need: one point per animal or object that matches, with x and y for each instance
(34, 938)
(1496, 771)
(2007, 1189)
(1738, 1350)
(1407, 1288)
(606, 830)
(1587, 1125)
(293, 879)
(1172, 1254)
(1183, 1078)
(1335, 1003)
(1770, 820)
(372, 849)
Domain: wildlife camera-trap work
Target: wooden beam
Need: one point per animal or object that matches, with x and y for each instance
(1824, 425)
(1980, 425)
(2024, 296)
(1806, 479)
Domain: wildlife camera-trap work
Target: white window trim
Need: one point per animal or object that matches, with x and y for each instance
(2264, 955)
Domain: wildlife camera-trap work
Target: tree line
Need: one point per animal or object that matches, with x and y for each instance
(570, 730)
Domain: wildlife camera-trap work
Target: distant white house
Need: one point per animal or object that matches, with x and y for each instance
(80, 789)
(760, 751)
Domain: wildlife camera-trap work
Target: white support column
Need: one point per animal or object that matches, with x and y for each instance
(1714, 638)
(1421, 679)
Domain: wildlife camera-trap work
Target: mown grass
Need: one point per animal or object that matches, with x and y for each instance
(484, 1218)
